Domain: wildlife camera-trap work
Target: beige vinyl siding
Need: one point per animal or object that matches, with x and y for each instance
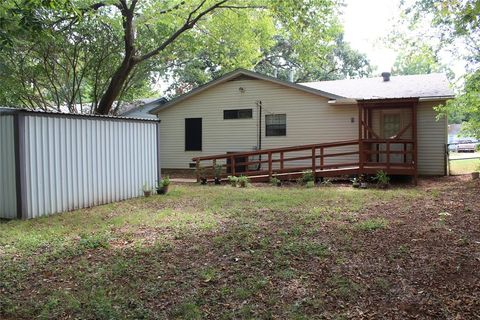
(432, 138)
(310, 119)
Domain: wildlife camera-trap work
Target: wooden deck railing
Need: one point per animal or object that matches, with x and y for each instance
(270, 162)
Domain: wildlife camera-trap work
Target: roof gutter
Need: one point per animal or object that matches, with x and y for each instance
(350, 101)
(426, 99)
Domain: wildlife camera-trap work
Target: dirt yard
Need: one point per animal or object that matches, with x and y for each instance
(210, 252)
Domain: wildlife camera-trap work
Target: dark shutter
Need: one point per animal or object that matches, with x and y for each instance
(193, 134)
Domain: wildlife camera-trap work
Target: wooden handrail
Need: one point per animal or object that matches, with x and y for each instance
(277, 150)
(265, 165)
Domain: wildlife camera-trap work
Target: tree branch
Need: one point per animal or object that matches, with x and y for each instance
(189, 24)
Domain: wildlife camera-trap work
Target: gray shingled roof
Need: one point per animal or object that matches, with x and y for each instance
(411, 86)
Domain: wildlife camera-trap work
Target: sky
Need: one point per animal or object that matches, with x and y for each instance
(365, 23)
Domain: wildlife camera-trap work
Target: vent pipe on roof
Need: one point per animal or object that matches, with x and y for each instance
(386, 76)
(275, 73)
(291, 75)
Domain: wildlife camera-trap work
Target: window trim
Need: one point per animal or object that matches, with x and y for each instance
(250, 109)
(266, 125)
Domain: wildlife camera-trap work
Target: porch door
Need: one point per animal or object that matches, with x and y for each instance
(391, 125)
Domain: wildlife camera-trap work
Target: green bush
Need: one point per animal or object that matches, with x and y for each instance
(218, 169)
(165, 182)
(307, 176)
(382, 178)
(310, 184)
(274, 181)
(243, 181)
(232, 180)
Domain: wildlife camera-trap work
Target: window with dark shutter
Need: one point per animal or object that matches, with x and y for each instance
(237, 114)
(193, 134)
(276, 125)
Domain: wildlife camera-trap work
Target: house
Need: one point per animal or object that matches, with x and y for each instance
(334, 127)
(141, 109)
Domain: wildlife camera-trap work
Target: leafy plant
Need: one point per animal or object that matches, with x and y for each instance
(243, 181)
(382, 178)
(307, 176)
(310, 184)
(274, 181)
(327, 183)
(218, 170)
(146, 187)
(355, 182)
(232, 180)
(165, 182)
(201, 172)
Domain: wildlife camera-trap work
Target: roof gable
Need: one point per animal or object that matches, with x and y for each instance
(242, 74)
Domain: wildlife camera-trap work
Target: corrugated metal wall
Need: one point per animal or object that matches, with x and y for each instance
(73, 162)
(8, 200)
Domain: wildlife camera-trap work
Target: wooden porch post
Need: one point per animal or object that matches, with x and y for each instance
(232, 163)
(360, 138)
(314, 163)
(197, 171)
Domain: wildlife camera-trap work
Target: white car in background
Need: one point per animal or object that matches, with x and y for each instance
(466, 146)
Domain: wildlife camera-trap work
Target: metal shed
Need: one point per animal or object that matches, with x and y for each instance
(57, 162)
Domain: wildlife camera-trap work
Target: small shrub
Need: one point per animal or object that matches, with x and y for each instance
(165, 182)
(218, 169)
(355, 182)
(232, 180)
(274, 181)
(382, 178)
(243, 181)
(327, 183)
(310, 184)
(307, 176)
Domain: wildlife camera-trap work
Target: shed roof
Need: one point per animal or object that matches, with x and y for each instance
(433, 85)
(13, 111)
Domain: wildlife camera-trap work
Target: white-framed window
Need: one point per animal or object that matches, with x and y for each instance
(275, 125)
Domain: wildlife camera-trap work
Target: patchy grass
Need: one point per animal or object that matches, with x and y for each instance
(464, 166)
(372, 224)
(258, 252)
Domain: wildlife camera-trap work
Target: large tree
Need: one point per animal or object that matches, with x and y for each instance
(457, 24)
(312, 52)
(149, 36)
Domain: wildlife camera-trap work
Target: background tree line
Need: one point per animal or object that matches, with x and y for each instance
(454, 29)
(91, 55)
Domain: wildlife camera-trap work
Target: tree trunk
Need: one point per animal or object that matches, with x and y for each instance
(115, 87)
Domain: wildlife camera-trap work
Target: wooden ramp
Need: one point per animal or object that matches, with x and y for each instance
(342, 158)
